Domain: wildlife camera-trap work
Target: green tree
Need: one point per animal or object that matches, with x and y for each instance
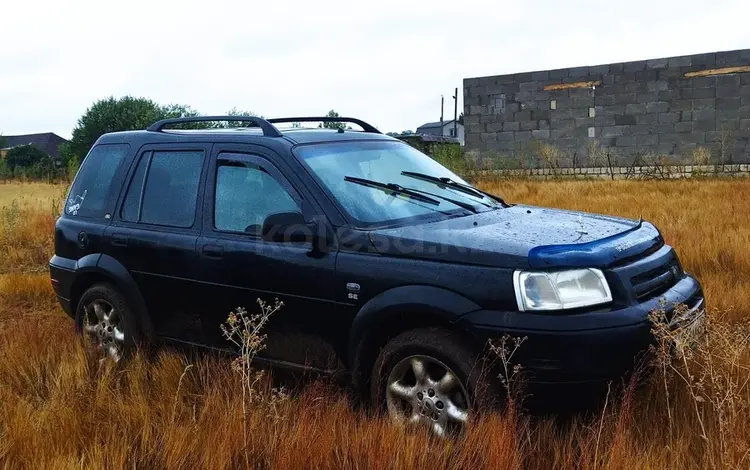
(333, 125)
(26, 156)
(117, 114)
(239, 113)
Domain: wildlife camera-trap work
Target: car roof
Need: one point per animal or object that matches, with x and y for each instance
(293, 136)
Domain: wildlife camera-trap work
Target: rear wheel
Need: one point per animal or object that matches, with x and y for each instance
(428, 377)
(106, 321)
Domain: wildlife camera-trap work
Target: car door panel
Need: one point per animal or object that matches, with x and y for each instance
(238, 268)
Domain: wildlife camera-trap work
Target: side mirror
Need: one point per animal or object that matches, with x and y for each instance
(286, 227)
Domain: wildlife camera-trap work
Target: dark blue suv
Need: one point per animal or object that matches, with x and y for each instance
(393, 270)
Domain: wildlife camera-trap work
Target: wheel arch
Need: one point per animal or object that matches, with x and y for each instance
(104, 268)
(396, 311)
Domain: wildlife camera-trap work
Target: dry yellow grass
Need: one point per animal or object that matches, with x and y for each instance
(59, 408)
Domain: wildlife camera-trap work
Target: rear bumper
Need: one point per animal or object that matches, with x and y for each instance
(62, 273)
(582, 347)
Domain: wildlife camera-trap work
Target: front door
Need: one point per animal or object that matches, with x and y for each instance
(245, 185)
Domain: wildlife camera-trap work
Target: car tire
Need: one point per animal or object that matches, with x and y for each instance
(430, 397)
(105, 319)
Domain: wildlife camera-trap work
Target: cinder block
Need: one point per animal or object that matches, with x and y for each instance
(599, 69)
(697, 93)
(540, 76)
(681, 105)
(728, 103)
(648, 97)
(683, 61)
(489, 136)
(639, 129)
(626, 98)
(727, 125)
(665, 128)
(731, 80)
(728, 92)
(683, 127)
(504, 135)
(743, 112)
(705, 60)
(647, 118)
(511, 126)
(703, 104)
(543, 124)
(578, 72)
(702, 82)
(657, 63)
(529, 125)
(605, 100)
(601, 121)
(494, 126)
(745, 124)
(647, 75)
(669, 117)
(530, 86)
(686, 116)
(644, 140)
(704, 114)
(624, 119)
(745, 78)
(634, 66)
(657, 107)
(635, 108)
(613, 131)
(540, 134)
(745, 90)
(669, 95)
(523, 135)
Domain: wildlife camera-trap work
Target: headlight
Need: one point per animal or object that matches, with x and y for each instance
(559, 290)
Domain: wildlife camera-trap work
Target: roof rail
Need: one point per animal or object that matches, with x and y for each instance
(268, 129)
(365, 126)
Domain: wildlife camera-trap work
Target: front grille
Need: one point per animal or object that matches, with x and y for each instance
(656, 281)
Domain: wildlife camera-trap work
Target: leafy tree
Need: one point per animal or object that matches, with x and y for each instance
(333, 125)
(117, 114)
(393, 134)
(239, 113)
(26, 156)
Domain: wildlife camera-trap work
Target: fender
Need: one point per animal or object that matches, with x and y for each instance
(442, 303)
(114, 270)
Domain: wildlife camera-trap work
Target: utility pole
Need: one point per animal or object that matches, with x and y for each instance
(441, 114)
(455, 114)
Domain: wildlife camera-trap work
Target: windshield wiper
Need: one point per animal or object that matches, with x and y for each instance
(417, 194)
(392, 187)
(447, 182)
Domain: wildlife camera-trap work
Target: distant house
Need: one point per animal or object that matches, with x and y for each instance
(48, 142)
(446, 130)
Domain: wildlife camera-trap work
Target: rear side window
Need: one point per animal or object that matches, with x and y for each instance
(164, 189)
(90, 191)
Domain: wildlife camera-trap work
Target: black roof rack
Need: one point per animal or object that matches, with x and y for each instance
(365, 126)
(268, 129)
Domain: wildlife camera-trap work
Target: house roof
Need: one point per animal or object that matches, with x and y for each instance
(48, 142)
(434, 125)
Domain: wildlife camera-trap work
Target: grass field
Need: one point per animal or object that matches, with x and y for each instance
(59, 408)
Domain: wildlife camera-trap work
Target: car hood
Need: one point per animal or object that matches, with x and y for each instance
(522, 236)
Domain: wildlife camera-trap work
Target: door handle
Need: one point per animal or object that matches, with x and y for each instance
(119, 240)
(213, 251)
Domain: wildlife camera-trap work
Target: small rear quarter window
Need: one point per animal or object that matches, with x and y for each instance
(91, 188)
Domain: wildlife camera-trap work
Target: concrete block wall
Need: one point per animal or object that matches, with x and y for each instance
(657, 107)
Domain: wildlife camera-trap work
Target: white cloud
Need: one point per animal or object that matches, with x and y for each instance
(386, 62)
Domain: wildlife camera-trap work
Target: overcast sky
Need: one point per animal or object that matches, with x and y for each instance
(386, 62)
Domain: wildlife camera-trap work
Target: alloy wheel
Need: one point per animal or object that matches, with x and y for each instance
(423, 390)
(103, 325)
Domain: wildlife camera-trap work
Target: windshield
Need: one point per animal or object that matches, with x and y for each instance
(382, 162)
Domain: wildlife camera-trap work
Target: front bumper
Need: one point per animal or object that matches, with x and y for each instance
(588, 346)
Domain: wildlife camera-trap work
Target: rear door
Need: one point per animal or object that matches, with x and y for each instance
(155, 229)
(245, 185)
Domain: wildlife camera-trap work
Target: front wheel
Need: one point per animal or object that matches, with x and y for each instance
(428, 377)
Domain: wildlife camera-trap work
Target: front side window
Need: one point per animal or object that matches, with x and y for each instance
(164, 189)
(246, 193)
(90, 191)
(383, 162)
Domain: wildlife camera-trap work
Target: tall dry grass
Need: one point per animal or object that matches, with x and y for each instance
(61, 408)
